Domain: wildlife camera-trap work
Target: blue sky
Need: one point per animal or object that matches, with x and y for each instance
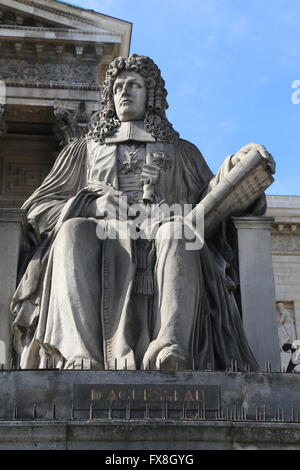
(229, 66)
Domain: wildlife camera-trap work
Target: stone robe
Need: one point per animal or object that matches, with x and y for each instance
(190, 310)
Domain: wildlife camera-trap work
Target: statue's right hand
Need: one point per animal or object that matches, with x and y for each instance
(112, 205)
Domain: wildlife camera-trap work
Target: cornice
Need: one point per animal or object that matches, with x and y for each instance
(285, 253)
(286, 228)
(64, 86)
(56, 30)
(49, 10)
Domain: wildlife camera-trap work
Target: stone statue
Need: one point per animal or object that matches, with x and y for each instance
(84, 299)
(286, 327)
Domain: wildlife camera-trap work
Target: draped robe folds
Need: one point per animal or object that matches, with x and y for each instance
(218, 336)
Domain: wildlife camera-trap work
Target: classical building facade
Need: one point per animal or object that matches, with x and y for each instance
(285, 239)
(53, 58)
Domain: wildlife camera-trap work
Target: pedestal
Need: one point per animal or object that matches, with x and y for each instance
(41, 410)
(12, 226)
(257, 288)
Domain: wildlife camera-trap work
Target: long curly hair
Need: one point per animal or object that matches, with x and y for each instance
(155, 121)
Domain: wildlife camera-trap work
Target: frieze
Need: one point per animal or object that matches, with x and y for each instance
(57, 73)
(285, 242)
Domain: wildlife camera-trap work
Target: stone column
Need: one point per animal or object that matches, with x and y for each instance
(257, 288)
(12, 226)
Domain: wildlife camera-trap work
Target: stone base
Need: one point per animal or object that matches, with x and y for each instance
(117, 435)
(150, 410)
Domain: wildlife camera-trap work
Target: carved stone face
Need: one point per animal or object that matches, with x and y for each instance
(130, 96)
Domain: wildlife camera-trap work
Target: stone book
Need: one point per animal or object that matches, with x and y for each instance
(236, 191)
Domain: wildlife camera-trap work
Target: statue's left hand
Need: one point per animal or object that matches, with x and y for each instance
(261, 149)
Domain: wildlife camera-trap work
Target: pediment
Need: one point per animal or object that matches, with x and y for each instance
(57, 15)
(31, 18)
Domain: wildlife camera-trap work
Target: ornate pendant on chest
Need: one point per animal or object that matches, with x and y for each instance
(132, 163)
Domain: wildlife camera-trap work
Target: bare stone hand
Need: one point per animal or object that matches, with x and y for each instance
(112, 205)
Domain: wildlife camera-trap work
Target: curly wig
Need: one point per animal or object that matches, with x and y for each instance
(155, 121)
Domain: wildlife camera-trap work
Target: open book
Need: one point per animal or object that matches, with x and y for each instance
(237, 190)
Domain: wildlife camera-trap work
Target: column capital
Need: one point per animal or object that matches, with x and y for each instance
(253, 223)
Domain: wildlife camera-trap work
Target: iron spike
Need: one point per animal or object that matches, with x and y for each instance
(34, 411)
(183, 412)
(53, 411)
(72, 411)
(91, 410)
(15, 411)
(128, 411)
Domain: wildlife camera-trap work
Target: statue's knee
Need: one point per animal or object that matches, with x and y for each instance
(77, 228)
